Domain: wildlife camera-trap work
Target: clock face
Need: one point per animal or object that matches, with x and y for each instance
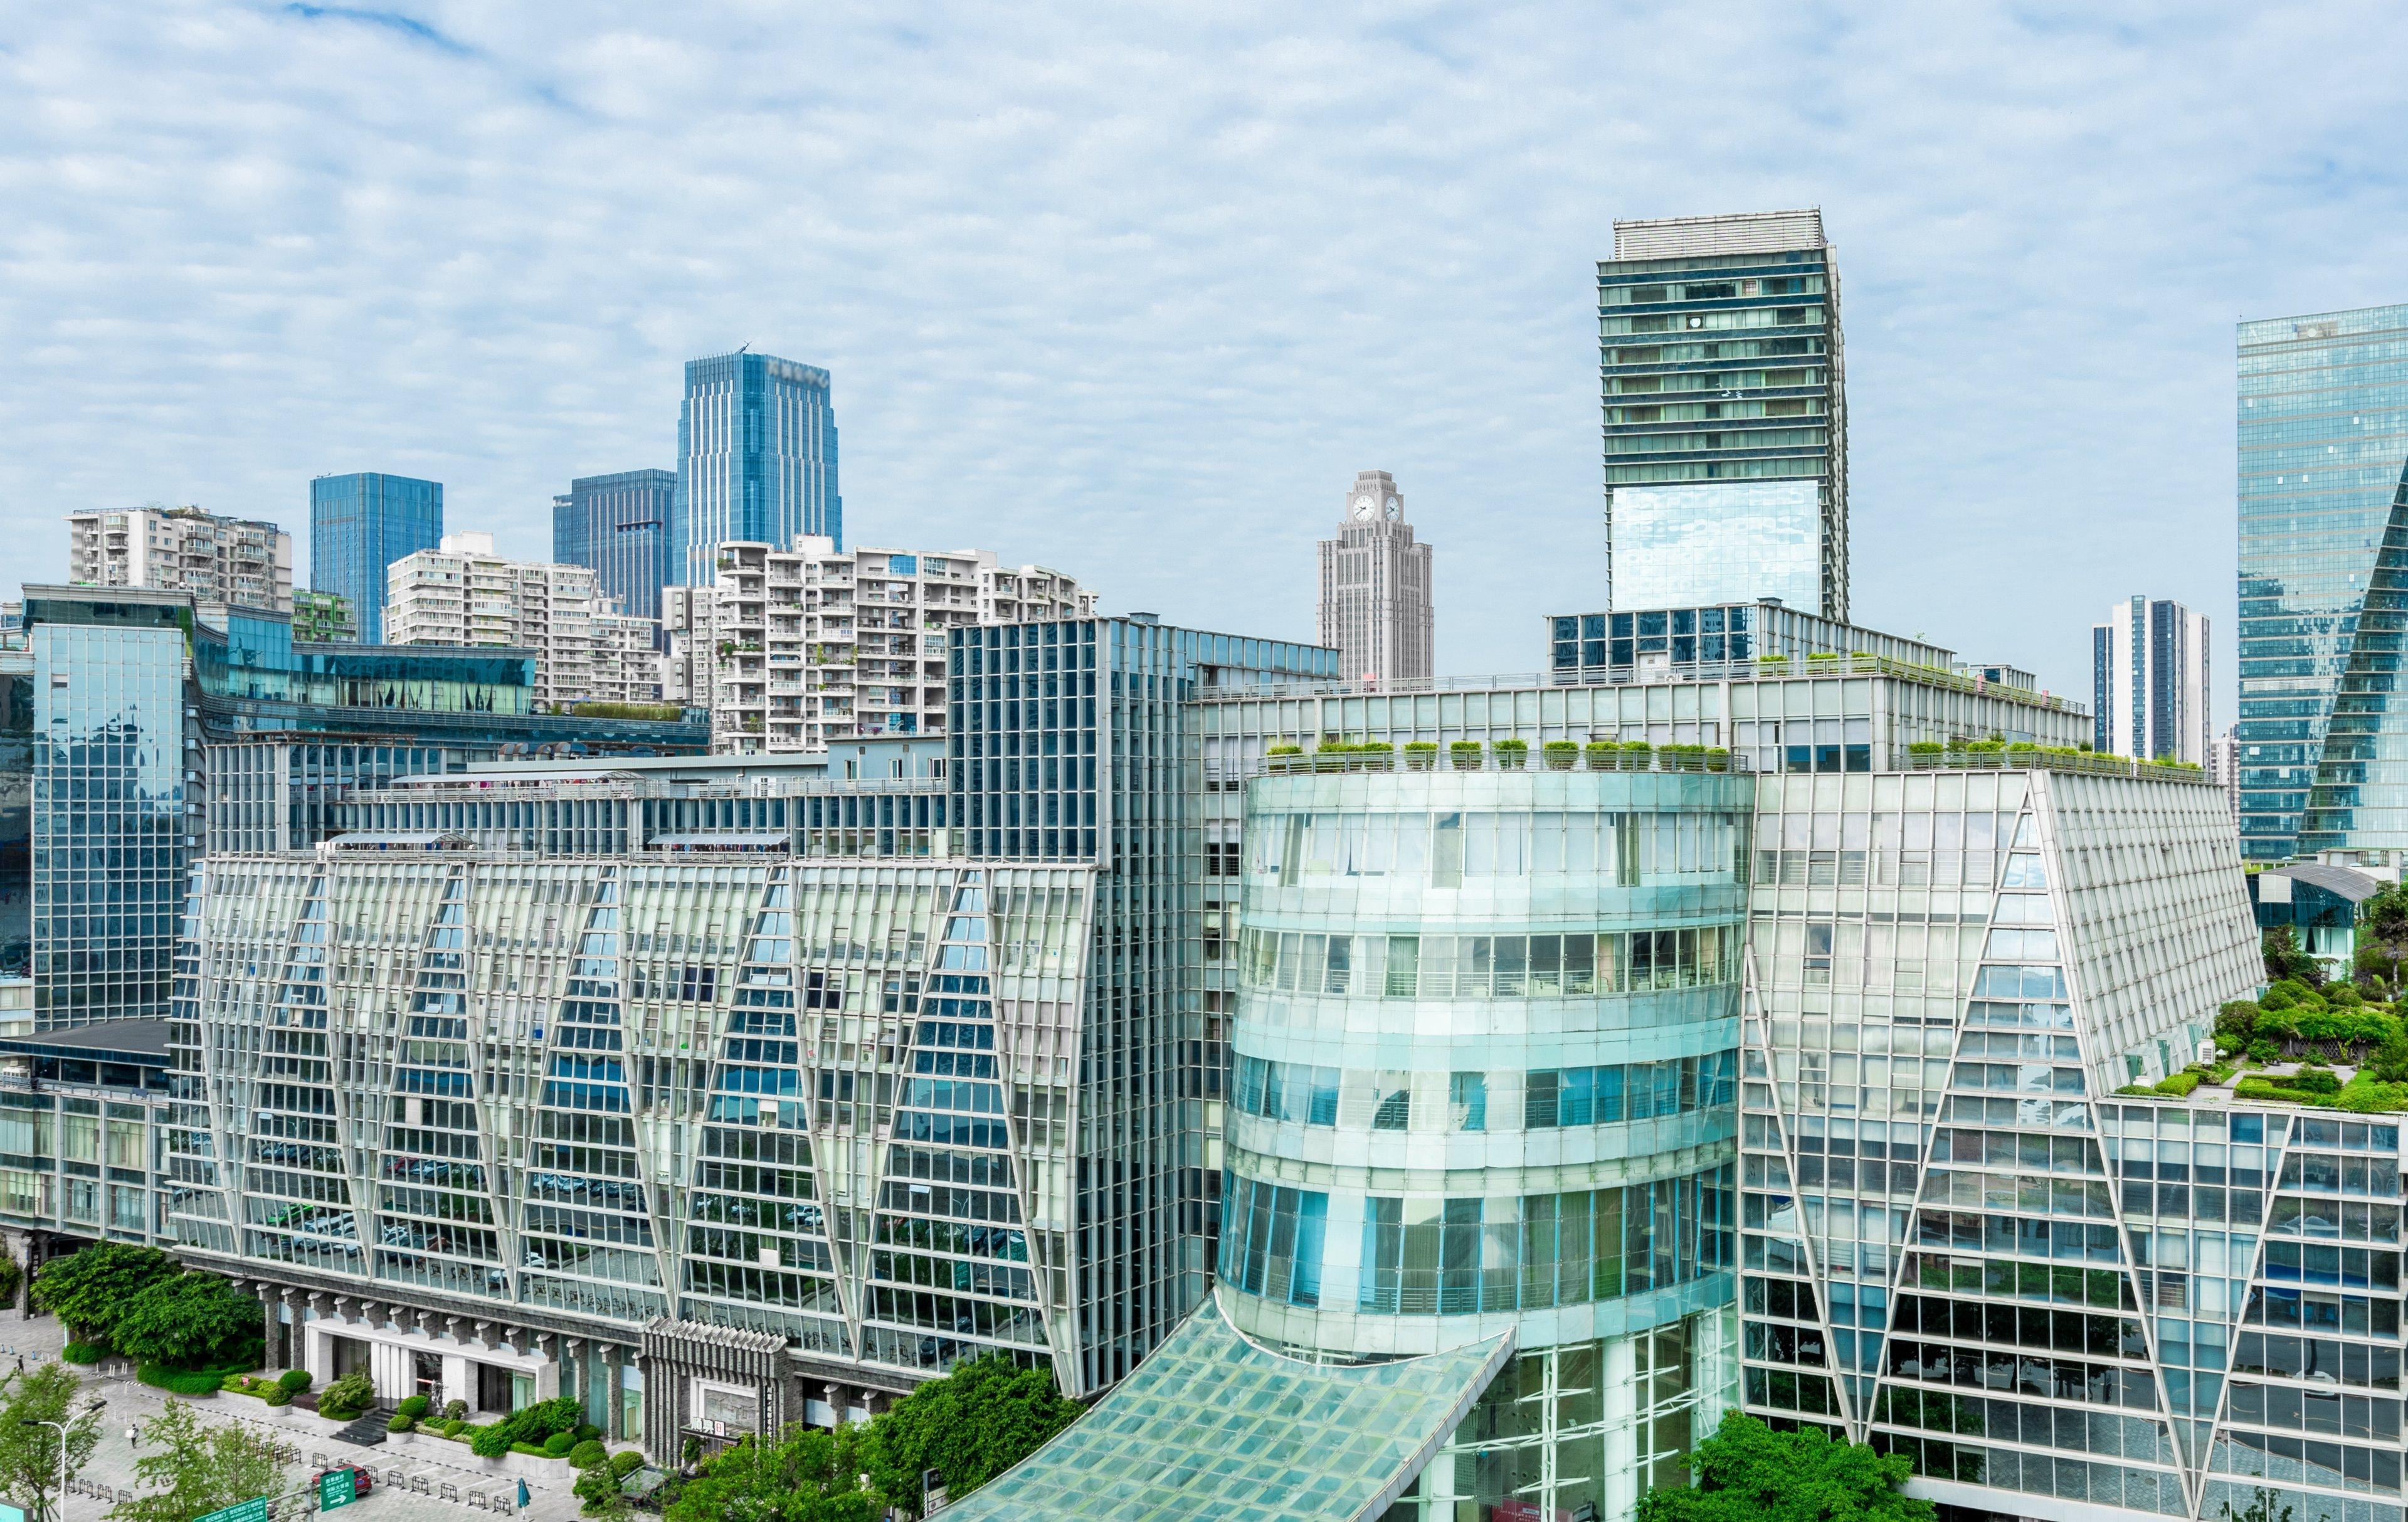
(1395, 509)
(1366, 506)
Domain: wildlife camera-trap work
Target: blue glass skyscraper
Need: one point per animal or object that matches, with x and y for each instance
(619, 525)
(2323, 433)
(359, 524)
(756, 460)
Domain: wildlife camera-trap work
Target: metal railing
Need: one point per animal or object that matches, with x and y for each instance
(2053, 758)
(1490, 759)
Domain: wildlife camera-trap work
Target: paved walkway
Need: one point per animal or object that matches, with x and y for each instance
(132, 1403)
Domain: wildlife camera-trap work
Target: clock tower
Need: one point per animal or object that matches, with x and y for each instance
(1375, 589)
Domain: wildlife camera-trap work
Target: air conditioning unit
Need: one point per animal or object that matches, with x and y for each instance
(2207, 1053)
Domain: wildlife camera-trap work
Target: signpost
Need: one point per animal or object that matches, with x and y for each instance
(253, 1510)
(335, 1488)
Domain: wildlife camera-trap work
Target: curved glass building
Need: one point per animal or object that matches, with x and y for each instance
(1483, 1082)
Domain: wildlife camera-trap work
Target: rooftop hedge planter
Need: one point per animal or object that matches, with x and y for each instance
(1421, 755)
(1561, 754)
(1603, 755)
(1465, 753)
(1512, 754)
(1638, 755)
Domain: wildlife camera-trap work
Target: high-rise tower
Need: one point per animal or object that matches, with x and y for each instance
(1726, 419)
(618, 526)
(756, 460)
(2323, 435)
(359, 524)
(2149, 674)
(1375, 588)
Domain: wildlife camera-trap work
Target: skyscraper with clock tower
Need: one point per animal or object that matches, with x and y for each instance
(1375, 588)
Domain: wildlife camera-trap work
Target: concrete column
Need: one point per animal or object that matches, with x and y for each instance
(459, 1379)
(613, 1358)
(834, 1403)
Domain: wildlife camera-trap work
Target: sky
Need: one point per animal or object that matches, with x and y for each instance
(1134, 290)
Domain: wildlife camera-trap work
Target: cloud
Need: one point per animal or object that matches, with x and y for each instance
(1135, 292)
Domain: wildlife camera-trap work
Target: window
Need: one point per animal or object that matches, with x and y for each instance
(1467, 1101)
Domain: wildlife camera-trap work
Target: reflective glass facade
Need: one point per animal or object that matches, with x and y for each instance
(2323, 432)
(756, 460)
(1614, 647)
(16, 814)
(361, 524)
(618, 525)
(111, 823)
(1486, 1041)
(1726, 414)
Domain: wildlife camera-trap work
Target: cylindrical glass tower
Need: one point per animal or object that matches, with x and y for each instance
(1483, 1071)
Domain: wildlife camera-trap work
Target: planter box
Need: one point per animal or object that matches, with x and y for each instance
(1420, 760)
(1466, 760)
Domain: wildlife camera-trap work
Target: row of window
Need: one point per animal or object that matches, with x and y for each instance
(1491, 967)
(1445, 848)
(1423, 1256)
(1551, 1097)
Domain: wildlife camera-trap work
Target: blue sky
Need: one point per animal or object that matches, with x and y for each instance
(1135, 291)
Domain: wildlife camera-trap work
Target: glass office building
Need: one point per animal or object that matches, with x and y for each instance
(618, 527)
(1726, 413)
(142, 714)
(359, 524)
(2323, 733)
(756, 460)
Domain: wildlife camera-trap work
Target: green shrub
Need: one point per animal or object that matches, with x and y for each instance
(455, 1410)
(400, 1423)
(1515, 745)
(2180, 1085)
(533, 1450)
(597, 1488)
(491, 1441)
(181, 1381)
(558, 1445)
(586, 1430)
(295, 1380)
(1926, 747)
(83, 1353)
(1464, 747)
(2315, 1081)
(1285, 750)
(2265, 1049)
(2278, 997)
(1421, 747)
(415, 1406)
(278, 1396)
(347, 1398)
(1562, 747)
(2340, 996)
(626, 1463)
(588, 1454)
(453, 1427)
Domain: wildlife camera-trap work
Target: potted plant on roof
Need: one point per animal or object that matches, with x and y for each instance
(1512, 754)
(1561, 754)
(1604, 755)
(1421, 754)
(1464, 755)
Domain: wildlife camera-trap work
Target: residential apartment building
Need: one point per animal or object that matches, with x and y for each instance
(1726, 413)
(618, 525)
(756, 460)
(687, 657)
(812, 644)
(325, 618)
(1375, 608)
(2323, 436)
(2150, 677)
(360, 525)
(216, 559)
(463, 593)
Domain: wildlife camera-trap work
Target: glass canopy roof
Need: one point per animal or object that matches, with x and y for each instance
(1214, 1429)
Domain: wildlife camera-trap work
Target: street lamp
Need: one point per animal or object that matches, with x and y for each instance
(62, 1429)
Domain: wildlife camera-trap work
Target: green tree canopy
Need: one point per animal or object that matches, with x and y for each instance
(89, 1290)
(29, 1452)
(2287, 958)
(809, 1475)
(969, 1427)
(192, 1468)
(1748, 1472)
(192, 1321)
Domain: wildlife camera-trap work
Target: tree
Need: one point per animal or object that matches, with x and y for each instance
(2286, 959)
(2264, 1506)
(2382, 924)
(969, 1427)
(1748, 1472)
(809, 1475)
(192, 1468)
(89, 1290)
(29, 1452)
(189, 1322)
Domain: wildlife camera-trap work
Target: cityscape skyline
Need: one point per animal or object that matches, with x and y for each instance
(978, 387)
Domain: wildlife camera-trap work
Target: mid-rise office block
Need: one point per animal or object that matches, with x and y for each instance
(1375, 608)
(325, 618)
(462, 592)
(756, 460)
(812, 645)
(129, 696)
(618, 527)
(360, 525)
(2149, 680)
(2323, 435)
(233, 560)
(1741, 639)
(1726, 413)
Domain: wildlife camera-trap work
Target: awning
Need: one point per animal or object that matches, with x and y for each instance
(1211, 1426)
